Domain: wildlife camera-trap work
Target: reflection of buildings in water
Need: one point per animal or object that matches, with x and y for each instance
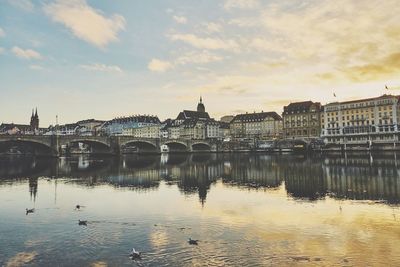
(140, 161)
(353, 177)
(197, 179)
(140, 180)
(33, 187)
(252, 170)
(303, 178)
(177, 159)
(358, 179)
(83, 163)
(21, 167)
(164, 158)
(202, 157)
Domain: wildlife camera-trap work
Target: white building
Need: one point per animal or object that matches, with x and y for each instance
(150, 131)
(212, 129)
(361, 121)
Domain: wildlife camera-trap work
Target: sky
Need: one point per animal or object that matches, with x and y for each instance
(82, 59)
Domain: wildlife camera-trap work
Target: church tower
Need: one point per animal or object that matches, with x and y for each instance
(200, 106)
(34, 121)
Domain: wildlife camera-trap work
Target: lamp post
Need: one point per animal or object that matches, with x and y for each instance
(58, 150)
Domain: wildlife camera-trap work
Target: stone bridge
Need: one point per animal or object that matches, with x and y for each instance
(58, 145)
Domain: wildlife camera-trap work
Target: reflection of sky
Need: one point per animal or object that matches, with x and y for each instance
(264, 226)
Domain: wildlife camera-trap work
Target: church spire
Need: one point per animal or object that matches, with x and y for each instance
(200, 106)
(36, 115)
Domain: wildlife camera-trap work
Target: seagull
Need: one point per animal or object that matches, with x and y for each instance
(193, 242)
(29, 211)
(82, 222)
(135, 254)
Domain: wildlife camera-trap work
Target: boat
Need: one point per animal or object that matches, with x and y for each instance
(164, 149)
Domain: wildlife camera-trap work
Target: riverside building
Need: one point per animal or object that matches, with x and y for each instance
(302, 120)
(261, 125)
(118, 125)
(364, 121)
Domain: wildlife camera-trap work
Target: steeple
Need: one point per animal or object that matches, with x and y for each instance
(200, 106)
(34, 120)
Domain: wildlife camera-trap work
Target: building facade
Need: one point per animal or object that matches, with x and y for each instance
(212, 129)
(118, 125)
(150, 131)
(302, 120)
(261, 125)
(361, 121)
(193, 129)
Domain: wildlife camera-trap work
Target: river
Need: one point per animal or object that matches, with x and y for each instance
(245, 210)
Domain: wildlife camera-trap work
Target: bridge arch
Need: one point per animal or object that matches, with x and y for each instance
(141, 145)
(28, 145)
(201, 146)
(176, 146)
(96, 146)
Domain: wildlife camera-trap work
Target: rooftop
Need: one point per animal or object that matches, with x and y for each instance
(256, 116)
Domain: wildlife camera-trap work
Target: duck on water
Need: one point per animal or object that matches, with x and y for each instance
(193, 242)
(29, 211)
(82, 222)
(135, 254)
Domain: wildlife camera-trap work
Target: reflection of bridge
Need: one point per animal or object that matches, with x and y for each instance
(56, 145)
(311, 178)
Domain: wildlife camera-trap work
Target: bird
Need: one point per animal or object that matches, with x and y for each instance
(78, 207)
(82, 222)
(29, 211)
(386, 87)
(135, 254)
(334, 94)
(192, 241)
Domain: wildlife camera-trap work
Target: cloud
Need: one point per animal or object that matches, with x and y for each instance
(85, 22)
(245, 22)
(101, 68)
(180, 19)
(212, 27)
(343, 42)
(206, 43)
(193, 57)
(230, 84)
(25, 5)
(2, 33)
(198, 58)
(159, 65)
(2, 50)
(26, 53)
(36, 67)
(241, 4)
(386, 67)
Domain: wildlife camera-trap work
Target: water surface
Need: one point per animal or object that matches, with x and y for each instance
(246, 210)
